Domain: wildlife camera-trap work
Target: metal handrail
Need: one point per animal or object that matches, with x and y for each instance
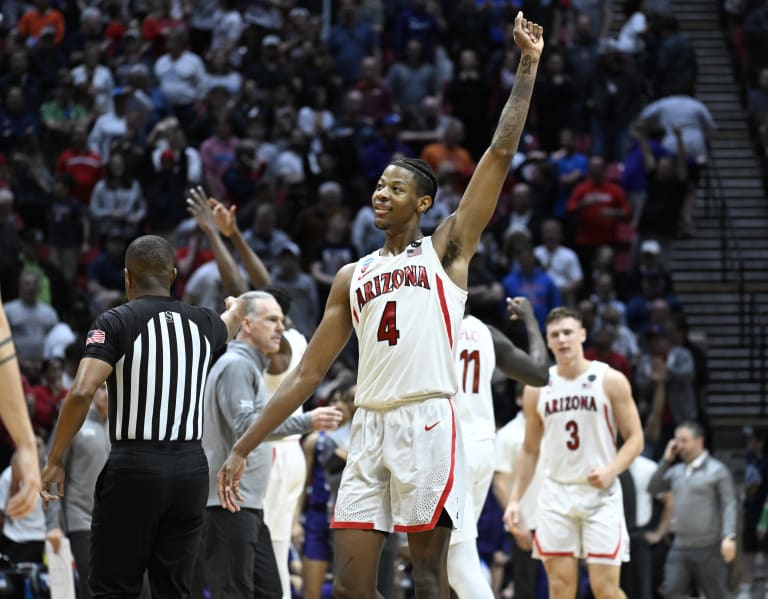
(753, 324)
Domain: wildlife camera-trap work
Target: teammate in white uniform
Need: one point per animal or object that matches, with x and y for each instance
(481, 348)
(289, 469)
(576, 418)
(405, 302)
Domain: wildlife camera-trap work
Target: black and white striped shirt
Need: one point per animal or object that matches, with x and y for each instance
(160, 349)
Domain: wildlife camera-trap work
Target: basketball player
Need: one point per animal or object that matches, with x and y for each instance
(405, 302)
(481, 349)
(576, 417)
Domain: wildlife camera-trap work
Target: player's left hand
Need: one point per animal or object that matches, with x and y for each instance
(519, 308)
(601, 478)
(228, 482)
(728, 549)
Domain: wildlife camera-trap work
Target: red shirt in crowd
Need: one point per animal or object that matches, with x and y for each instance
(588, 203)
(85, 168)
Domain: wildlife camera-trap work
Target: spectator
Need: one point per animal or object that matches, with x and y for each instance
(676, 68)
(39, 20)
(106, 276)
(598, 207)
(181, 75)
(466, 96)
(269, 71)
(117, 200)
(68, 228)
(633, 177)
(560, 262)
(10, 243)
(31, 182)
(469, 28)
(664, 388)
(227, 28)
(110, 125)
(147, 98)
(17, 120)
(603, 339)
(91, 30)
(30, 320)
(333, 252)
(688, 114)
(46, 58)
(95, 79)
(554, 101)
(166, 206)
(448, 152)
(287, 274)
(134, 54)
(598, 13)
(605, 296)
(384, 147)
(571, 168)
(20, 75)
(60, 116)
(631, 37)
(524, 215)
(581, 58)
(158, 26)
(639, 305)
(754, 494)
(411, 80)
(625, 342)
(264, 237)
(350, 41)
(243, 176)
(221, 74)
(376, 101)
(527, 279)
(48, 395)
(705, 511)
(217, 154)
(416, 22)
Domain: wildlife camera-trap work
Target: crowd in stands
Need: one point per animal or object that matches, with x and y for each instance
(111, 110)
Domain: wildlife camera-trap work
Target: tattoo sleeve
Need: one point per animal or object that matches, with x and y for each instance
(510, 127)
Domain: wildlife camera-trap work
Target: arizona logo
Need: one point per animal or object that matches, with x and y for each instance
(387, 282)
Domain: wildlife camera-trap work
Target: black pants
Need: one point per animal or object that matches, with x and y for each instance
(80, 542)
(148, 514)
(238, 555)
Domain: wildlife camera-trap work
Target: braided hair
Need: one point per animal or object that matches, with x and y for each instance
(425, 178)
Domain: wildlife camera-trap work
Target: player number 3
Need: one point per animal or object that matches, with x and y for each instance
(573, 428)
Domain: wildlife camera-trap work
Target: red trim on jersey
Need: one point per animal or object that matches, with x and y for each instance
(274, 453)
(543, 553)
(608, 555)
(353, 525)
(446, 491)
(444, 307)
(354, 313)
(608, 422)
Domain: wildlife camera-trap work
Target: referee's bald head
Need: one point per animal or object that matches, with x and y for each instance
(150, 260)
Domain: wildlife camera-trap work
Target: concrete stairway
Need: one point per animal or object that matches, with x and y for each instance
(729, 240)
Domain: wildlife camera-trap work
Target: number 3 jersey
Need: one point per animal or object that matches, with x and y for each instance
(579, 426)
(407, 315)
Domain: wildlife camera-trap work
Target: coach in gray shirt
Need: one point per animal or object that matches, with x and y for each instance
(705, 512)
(237, 549)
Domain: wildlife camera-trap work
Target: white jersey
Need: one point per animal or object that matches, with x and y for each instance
(298, 344)
(407, 314)
(475, 363)
(579, 425)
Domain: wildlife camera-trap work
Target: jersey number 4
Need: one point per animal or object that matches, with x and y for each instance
(388, 325)
(573, 428)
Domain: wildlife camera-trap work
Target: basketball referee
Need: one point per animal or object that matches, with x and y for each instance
(154, 353)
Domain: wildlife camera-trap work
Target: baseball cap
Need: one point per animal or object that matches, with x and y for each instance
(167, 155)
(47, 30)
(650, 246)
(270, 40)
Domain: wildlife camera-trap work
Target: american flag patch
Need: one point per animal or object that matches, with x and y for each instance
(95, 336)
(413, 251)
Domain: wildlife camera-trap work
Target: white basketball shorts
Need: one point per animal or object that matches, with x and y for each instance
(578, 520)
(402, 469)
(285, 488)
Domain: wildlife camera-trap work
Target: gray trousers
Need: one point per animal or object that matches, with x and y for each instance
(700, 566)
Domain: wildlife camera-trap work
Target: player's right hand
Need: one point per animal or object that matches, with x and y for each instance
(228, 482)
(53, 474)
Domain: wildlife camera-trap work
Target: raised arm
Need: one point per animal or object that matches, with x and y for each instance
(530, 368)
(457, 237)
(231, 278)
(329, 339)
(227, 223)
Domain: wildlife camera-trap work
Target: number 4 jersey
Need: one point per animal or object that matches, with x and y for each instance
(579, 427)
(407, 314)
